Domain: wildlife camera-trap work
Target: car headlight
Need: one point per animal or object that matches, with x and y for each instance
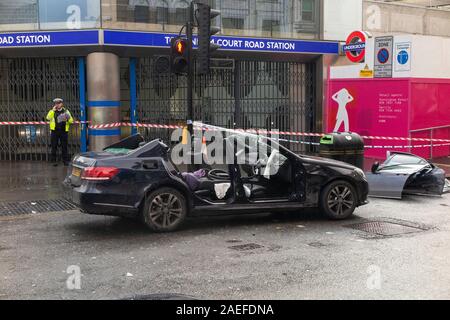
(360, 173)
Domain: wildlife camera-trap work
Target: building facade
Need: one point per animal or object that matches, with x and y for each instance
(99, 56)
(399, 83)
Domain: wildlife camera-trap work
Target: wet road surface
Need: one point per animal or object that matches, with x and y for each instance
(22, 181)
(288, 256)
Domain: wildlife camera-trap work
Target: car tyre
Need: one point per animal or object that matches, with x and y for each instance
(338, 200)
(165, 210)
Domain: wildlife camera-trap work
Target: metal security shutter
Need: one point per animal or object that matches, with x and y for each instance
(254, 94)
(27, 87)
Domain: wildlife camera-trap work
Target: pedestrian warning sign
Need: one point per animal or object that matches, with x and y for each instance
(366, 72)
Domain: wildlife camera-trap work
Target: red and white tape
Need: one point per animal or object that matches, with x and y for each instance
(309, 134)
(105, 126)
(408, 147)
(139, 125)
(18, 123)
(376, 147)
(256, 131)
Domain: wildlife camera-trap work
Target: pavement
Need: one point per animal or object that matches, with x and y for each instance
(285, 256)
(30, 180)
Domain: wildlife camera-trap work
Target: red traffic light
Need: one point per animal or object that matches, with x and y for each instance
(179, 55)
(179, 46)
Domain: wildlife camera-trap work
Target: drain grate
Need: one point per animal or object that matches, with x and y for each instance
(30, 207)
(160, 296)
(317, 244)
(234, 241)
(388, 227)
(248, 246)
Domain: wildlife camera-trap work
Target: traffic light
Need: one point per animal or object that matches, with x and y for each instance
(178, 55)
(204, 14)
(161, 64)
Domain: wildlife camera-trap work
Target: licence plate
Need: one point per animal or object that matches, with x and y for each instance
(76, 172)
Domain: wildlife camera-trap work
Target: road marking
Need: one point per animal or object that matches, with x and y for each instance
(15, 217)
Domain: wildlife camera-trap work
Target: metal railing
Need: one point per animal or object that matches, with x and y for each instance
(431, 135)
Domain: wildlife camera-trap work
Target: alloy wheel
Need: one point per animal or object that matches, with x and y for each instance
(165, 210)
(340, 200)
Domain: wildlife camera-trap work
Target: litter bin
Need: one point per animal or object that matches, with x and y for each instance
(343, 146)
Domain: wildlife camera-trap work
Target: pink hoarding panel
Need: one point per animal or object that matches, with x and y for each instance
(430, 108)
(369, 107)
(424, 105)
(430, 104)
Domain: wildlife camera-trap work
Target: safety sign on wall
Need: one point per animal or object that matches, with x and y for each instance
(402, 56)
(383, 57)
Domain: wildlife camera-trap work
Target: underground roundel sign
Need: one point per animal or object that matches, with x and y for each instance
(355, 46)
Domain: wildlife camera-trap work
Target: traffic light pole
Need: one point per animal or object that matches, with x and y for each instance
(190, 83)
(190, 74)
(200, 15)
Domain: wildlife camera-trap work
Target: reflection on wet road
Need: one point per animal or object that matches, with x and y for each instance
(20, 181)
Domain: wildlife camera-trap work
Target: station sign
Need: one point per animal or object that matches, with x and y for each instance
(355, 46)
(161, 40)
(148, 39)
(49, 39)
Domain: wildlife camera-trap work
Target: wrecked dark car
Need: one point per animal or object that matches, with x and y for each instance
(139, 179)
(405, 173)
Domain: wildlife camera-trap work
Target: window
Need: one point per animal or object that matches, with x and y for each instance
(162, 12)
(18, 11)
(307, 10)
(181, 13)
(162, 15)
(141, 14)
(271, 25)
(404, 159)
(69, 14)
(233, 23)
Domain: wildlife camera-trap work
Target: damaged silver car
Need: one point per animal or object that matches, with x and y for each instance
(404, 173)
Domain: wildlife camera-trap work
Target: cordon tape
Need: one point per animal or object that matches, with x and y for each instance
(256, 131)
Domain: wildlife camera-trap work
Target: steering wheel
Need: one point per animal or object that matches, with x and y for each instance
(218, 174)
(257, 167)
(260, 164)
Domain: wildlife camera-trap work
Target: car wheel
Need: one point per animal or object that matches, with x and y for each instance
(338, 200)
(165, 210)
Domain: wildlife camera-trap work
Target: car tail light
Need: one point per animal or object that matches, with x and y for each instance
(99, 173)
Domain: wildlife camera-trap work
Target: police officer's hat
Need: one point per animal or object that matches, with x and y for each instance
(57, 100)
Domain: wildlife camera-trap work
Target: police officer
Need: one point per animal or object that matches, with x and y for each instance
(60, 120)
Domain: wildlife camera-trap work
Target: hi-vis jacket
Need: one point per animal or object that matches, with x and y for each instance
(51, 117)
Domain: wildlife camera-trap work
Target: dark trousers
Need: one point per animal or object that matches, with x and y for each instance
(59, 136)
